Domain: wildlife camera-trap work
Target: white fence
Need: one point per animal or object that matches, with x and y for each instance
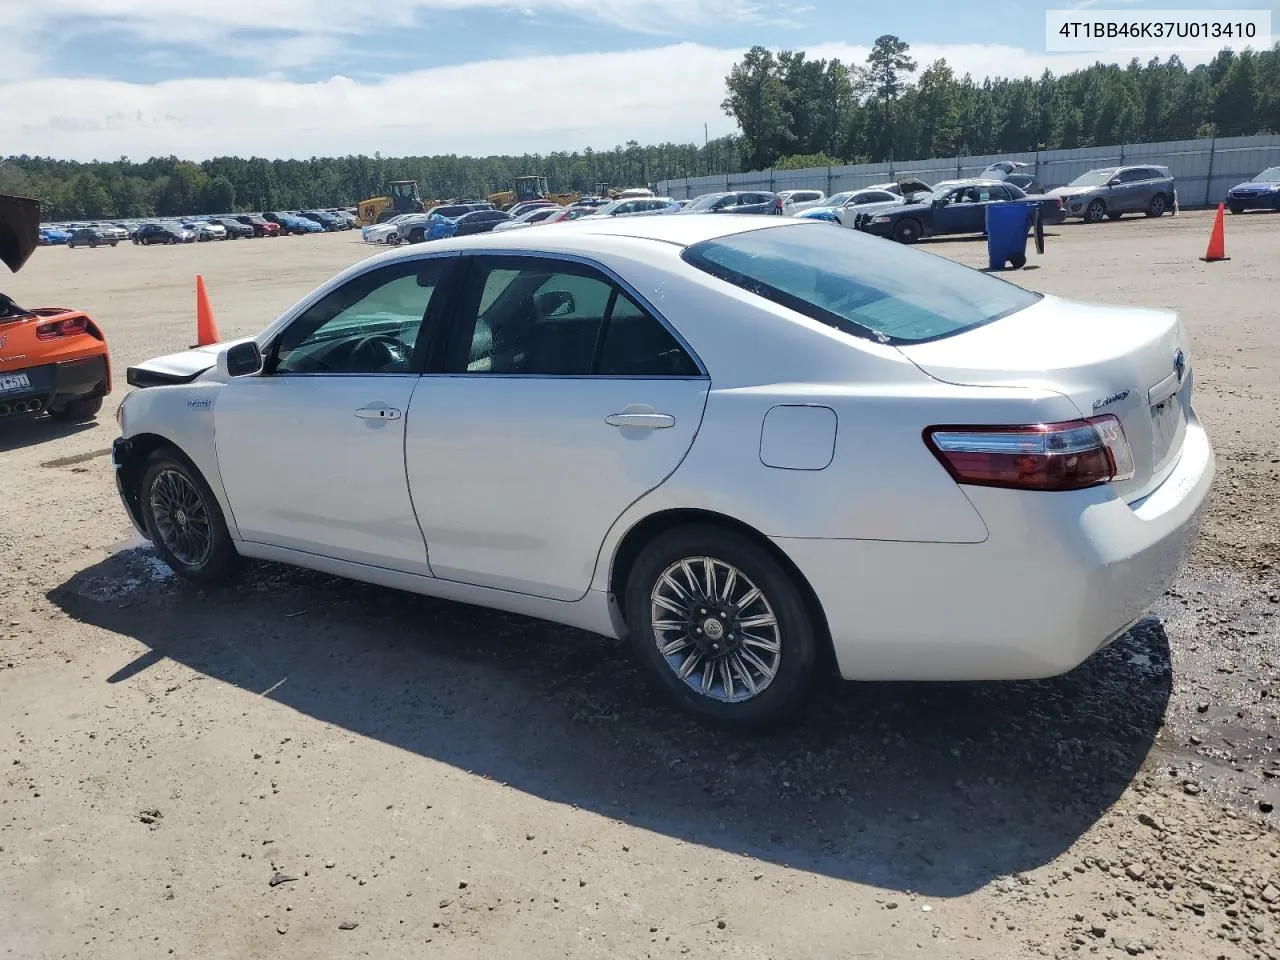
(1204, 170)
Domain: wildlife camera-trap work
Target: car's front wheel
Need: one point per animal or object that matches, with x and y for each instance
(184, 520)
(721, 626)
(1095, 211)
(417, 236)
(1236, 208)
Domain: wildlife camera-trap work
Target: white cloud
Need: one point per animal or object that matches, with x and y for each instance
(535, 104)
(210, 23)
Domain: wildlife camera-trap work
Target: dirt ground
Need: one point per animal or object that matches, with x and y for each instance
(306, 767)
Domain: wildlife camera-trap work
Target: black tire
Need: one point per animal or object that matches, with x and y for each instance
(93, 243)
(84, 408)
(114, 242)
(1157, 206)
(417, 235)
(1095, 211)
(1018, 261)
(218, 561)
(1236, 208)
(907, 231)
(797, 644)
(1114, 216)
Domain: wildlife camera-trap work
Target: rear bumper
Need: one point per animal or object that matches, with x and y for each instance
(1060, 576)
(53, 384)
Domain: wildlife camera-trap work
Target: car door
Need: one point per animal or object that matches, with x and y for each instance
(1122, 196)
(1145, 183)
(561, 399)
(311, 450)
(959, 214)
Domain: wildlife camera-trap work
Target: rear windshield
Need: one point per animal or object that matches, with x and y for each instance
(861, 285)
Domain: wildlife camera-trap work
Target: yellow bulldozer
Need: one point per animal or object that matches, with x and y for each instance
(404, 198)
(529, 188)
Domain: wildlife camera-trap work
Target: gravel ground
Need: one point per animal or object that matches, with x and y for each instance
(308, 767)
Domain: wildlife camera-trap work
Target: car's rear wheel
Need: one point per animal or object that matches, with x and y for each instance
(1157, 206)
(1095, 211)
(184, 521)
(84, 408)
(907, 231)
(721, 626)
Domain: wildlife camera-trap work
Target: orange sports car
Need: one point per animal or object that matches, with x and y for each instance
(52, 359)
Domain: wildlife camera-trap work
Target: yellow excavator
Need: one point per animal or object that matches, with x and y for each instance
(529, 188)
(404, 198)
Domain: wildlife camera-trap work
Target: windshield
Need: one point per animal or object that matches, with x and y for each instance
(840, 199)
(1094, 178)
(859, 284)
(1269, 175)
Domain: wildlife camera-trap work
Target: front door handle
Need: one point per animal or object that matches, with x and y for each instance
(647, 421)
(378, 412)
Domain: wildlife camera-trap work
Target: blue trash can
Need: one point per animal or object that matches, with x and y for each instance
(1007, 228)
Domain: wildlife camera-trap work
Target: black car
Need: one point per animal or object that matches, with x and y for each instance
(959, 206)
(326, 220)
(235, 229)
(92, 237)
(479, 221)
(741, 201)
(153, 233)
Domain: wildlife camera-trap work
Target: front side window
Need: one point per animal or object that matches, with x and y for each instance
(369, 325)
(859, 284)
(556, 318)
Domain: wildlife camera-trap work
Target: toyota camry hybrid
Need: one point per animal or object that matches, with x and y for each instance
(756, 447)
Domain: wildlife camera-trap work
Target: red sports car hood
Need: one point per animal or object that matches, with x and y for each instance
(19, 230)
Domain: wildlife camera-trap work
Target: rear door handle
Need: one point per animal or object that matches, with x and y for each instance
(647, 421)
(375, 412)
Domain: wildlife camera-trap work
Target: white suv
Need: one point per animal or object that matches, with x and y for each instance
(793, 201)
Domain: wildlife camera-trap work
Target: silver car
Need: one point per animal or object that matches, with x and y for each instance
(1114, 191)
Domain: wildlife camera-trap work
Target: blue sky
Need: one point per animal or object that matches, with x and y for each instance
(101, 78)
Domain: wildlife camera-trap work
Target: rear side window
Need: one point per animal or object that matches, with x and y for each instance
(859, 284)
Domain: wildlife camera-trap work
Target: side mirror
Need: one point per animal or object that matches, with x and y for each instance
(241, 360)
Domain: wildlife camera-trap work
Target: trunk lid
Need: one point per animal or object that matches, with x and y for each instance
(1132, 363)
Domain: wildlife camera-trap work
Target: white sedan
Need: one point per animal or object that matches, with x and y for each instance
(385, 232)
(756, 446)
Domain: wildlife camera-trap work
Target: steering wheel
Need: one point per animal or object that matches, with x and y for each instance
(380, 351)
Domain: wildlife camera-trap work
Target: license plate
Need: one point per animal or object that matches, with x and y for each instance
(14, 381)
(1166, 421)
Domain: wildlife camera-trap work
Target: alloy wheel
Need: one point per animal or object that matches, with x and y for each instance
(715, 629)
(181, 517)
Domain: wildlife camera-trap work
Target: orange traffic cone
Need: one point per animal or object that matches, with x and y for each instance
(206, 327)
(1217, 244)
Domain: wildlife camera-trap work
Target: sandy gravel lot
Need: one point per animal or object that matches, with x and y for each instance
(424, 779)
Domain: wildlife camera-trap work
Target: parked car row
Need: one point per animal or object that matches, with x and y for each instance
(170, 230)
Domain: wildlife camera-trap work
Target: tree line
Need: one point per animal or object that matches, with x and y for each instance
(792, 112)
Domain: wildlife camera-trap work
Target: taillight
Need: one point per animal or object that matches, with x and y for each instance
(1044, 456)
(62, 328)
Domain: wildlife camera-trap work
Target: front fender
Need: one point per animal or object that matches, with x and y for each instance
(178, 416)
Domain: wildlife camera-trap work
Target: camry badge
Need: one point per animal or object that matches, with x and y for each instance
(1107, 401)
(1179, 363)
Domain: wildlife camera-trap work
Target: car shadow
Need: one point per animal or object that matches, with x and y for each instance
(932, 788)
(25, 430)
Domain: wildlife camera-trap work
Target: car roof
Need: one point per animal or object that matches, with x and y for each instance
(589, 235)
